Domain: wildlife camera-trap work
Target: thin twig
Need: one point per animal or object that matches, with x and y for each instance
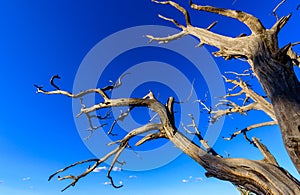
(245, 130)
(276, 8)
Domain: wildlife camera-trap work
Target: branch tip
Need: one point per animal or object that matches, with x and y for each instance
(253, 23)
(276, 8)
(52, 81)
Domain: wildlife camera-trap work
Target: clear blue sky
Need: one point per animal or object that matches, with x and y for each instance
(37, 132)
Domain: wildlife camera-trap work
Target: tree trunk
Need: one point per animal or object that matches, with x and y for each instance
(278, 79)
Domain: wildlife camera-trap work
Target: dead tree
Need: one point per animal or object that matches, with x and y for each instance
(273, 66)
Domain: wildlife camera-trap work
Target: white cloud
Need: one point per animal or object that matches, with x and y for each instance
(109, 183)
(199, 179)
(192, 179)
(26, 179)
(132, 177)
(106, 183)
(98, 169)
(104, 168)
(118, 169)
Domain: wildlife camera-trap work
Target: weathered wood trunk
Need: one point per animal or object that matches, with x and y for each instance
(259, 177)
(274, 70)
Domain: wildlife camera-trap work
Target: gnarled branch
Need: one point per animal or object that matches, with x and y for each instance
(249, 20)
(245, 130)
(260, 177)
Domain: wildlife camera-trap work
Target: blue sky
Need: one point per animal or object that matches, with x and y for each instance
(38, 134)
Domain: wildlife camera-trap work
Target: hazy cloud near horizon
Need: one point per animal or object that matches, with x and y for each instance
(26, 179)
(109, 183)
(132, 177)
(191, 179)
(104, 168)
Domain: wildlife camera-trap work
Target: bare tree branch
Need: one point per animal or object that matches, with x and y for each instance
(78, 95)
(245, 130)
(249, 20)
(276, 8)
(238, 171)
(52, 81)
(293, 55)
(72, 165)
(122, 116)
(118, 83)
(264, 150)
(178, 7)
(203, 142)
(233, 106)
(92, 128)
(280, 23)
(150, 137)
(259, 101)
(166, 39)
(116, 153)
(205, 35)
